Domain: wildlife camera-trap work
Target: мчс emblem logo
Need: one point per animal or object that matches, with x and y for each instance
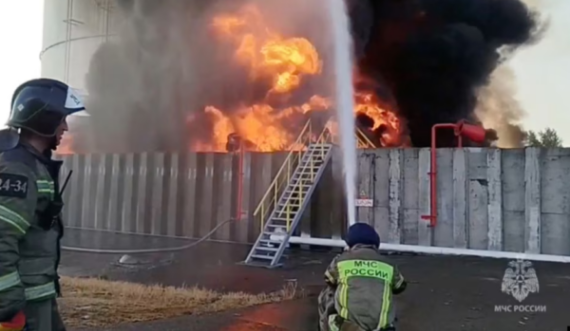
(520, 280)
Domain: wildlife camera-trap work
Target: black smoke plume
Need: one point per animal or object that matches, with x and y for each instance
(435, 54)
(426, 57)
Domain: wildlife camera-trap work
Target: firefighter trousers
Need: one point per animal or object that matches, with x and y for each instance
(43, 316)
(326, 307)
(328, 318)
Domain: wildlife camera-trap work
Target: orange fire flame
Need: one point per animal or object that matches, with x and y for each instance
(266, 53)
(284, 61)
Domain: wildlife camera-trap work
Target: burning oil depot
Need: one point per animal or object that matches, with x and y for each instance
(191, 74)
(170, 84)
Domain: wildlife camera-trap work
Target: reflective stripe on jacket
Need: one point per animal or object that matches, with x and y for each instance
(40, 292)
(28, 250)
(10, 280)
(364, 284)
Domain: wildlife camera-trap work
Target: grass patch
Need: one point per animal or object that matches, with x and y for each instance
(95, 302)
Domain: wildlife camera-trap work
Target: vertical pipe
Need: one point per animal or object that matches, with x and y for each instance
(240, 183)
(433, 177)
(432, 217)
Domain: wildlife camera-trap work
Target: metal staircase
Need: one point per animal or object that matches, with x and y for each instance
(282, 206)
(362, 141)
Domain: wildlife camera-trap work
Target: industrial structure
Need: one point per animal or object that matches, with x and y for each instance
(489, 201)
(73, 31)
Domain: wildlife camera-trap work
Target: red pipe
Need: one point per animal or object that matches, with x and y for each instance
(433, 168)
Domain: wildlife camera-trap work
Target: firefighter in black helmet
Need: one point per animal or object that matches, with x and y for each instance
(30, 204)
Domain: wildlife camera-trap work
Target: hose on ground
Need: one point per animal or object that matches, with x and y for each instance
(146, 251)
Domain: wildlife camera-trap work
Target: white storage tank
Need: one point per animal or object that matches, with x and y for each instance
(73, 30)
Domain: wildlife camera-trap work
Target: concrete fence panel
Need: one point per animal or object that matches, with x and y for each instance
(515, 200)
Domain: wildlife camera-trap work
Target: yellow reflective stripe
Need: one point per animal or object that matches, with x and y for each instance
(332, 323)
(14, 219)
(39, 292)
(9, 280)
(366, 269)
(386, 300)
(400, 282)
(344, 300)
(45, 186)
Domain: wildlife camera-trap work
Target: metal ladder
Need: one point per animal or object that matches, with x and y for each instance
(282, 221)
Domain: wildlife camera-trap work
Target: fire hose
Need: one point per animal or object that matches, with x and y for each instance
(166, 249)
(149, 250)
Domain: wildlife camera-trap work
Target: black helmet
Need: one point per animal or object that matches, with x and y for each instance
(40, 105)
(363, 234)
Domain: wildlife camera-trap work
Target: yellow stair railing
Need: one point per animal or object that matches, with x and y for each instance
(283, 177)
(318, 154)
(271, 197)
(362, 140)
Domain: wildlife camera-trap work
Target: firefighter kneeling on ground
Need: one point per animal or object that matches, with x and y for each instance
(360, 285)
(31, 204)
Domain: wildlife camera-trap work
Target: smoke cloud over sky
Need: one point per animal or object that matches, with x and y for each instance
(433, 57)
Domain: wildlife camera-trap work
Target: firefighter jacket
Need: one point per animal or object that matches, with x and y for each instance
(364, 287)
(30, 228)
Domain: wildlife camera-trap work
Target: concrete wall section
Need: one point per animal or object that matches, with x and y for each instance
(488, 199)
(185, 195)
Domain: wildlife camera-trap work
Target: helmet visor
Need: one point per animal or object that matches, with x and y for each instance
(61, 99)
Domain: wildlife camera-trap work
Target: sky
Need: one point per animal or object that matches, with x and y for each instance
(542, 71)
(543, 74)
(21, 41)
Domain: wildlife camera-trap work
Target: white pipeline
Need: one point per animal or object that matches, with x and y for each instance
(432, 250)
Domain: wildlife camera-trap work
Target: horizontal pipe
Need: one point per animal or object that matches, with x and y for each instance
(432, 250)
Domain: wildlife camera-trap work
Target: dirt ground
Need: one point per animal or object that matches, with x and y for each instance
(445, 293)
(91, 302)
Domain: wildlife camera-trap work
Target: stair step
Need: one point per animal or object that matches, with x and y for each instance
(297, 190)
(298, 187)
(293, 187)
(275, 231)
(279, 220)
(284, 204)
(291, 197)
(294, 192)
(262, 257)
(281, 213)
(282, 210)
(297, 178)
(308, 166)
(288, 203)
(283, 219)
(287, 210)
(269, 241)
(301, 177)
(268, 249)
(288, 207)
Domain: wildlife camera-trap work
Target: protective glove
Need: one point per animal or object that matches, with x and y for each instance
(17, 323)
